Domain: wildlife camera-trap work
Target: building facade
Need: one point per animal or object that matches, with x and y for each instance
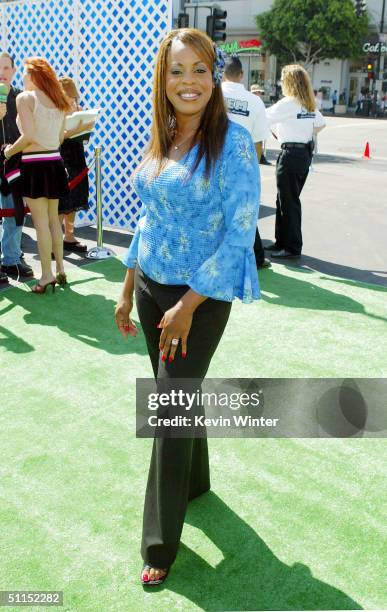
(348, 77)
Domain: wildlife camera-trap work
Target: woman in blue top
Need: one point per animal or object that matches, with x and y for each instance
(191, 255)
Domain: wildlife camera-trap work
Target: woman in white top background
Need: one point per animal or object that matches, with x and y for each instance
(41, 114)
(293, 120)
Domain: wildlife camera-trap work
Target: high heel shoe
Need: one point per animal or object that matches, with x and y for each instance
(38, 288)
(61, 279)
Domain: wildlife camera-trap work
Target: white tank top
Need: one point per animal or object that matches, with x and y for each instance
(48, 124)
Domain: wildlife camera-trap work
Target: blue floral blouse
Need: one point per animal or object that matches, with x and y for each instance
(200, 232)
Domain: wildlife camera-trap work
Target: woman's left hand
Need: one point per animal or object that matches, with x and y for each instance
(175, 323)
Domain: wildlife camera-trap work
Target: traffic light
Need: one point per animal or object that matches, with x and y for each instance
(360, 7)
(183, 20)
(370, 70)
(216, 25)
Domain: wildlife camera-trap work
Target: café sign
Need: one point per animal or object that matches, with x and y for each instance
(379, 47)
(242, 46)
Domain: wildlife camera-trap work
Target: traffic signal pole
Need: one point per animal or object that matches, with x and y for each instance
(380, 42)
(196, 6)
(215, 25)
(378, 61)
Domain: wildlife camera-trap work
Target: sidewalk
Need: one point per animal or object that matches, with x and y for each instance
(351, 115)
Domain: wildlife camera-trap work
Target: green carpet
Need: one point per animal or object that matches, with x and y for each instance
(289, 524)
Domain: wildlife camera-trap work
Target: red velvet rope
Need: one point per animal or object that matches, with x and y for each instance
(72, 184)
(10, 212)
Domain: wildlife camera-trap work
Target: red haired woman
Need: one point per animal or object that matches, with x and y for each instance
(41, 114)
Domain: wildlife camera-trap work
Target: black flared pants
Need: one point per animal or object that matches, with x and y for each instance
(291, 173)
(179, 467)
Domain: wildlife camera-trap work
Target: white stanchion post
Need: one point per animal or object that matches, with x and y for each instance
(99, 252)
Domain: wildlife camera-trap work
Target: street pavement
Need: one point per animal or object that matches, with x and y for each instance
(347, 136)
(343, 201)
(343, 206)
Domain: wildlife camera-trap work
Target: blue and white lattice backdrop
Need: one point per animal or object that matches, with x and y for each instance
(109, 48)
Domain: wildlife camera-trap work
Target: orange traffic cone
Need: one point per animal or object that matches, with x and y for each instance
(366, 153)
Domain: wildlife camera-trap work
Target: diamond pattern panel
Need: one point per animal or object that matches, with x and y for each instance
(108, 47)
(44, 29)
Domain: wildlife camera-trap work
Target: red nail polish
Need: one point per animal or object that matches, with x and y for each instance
(170, 358)
(184, 355)
(158, 325)
(145, 577)
(163, 358)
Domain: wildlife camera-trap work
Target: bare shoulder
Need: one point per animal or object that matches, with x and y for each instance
(25, 99)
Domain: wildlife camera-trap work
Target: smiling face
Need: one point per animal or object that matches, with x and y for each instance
(189, 82)
(7, 71)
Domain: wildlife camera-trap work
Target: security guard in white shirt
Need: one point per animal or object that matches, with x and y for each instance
(293, 120)
(249, 111)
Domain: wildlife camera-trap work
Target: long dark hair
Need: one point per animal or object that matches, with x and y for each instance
(214, 120)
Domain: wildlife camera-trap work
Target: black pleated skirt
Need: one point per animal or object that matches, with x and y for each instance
(43, 175)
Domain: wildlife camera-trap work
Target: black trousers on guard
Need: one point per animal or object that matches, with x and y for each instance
(179, 467)
(258, 249)
(291, 173)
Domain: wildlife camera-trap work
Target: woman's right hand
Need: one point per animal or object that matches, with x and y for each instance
(6, 151)
(81, 127)
(123, 321)
(85, 127)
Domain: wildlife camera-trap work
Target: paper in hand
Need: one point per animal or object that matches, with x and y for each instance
(86, 116)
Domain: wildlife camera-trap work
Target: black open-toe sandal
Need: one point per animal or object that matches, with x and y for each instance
(153, 582)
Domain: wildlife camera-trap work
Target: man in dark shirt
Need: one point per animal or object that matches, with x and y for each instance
(12, 263)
